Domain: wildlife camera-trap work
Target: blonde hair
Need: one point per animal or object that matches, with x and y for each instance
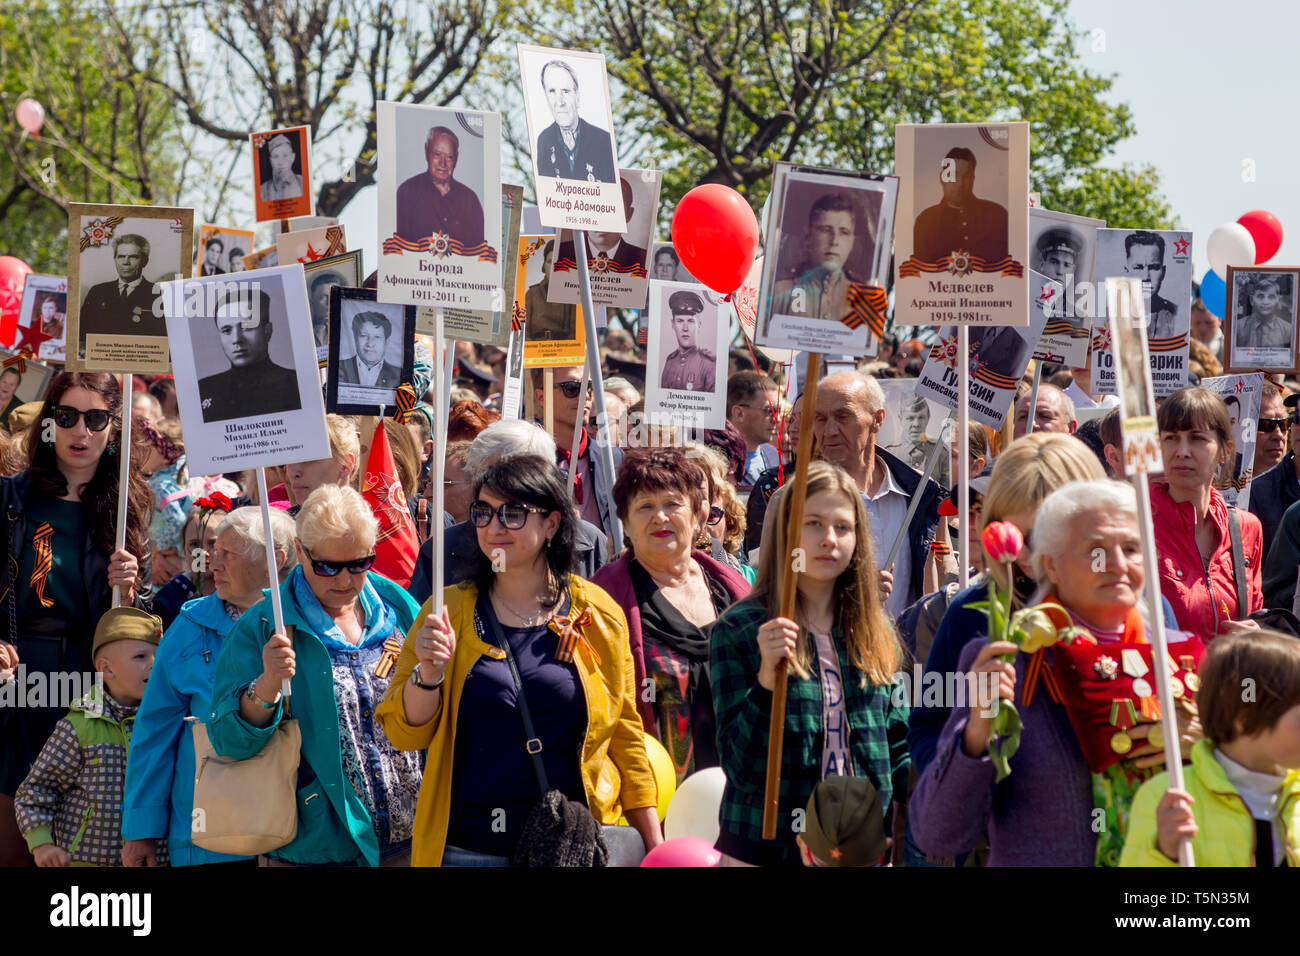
(859, 612)
(336, 512)
(344, 441)
(734, 512)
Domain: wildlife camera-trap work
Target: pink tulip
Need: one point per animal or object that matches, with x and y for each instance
(1002, 541)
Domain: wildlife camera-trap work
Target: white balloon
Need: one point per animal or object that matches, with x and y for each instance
(693, 810)
(1231, 244)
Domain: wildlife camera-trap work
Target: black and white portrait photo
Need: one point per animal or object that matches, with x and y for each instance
(1261, 319)
(117, 256)
(666, 265)
(322, 276)
(1003, 349)
(45, 306)
(372, 351)
(566, 100)
(686, 355)
(222, 249)
(1063, 248)
(246, 377)
(547, 320)
(282, 173)
(913, 427)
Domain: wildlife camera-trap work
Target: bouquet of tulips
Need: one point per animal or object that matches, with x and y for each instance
(1030, 628)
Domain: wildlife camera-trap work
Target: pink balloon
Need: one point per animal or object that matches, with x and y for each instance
(1266, 230)
(683, 851)
(30, 115)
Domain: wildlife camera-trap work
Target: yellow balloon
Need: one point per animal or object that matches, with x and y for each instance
(665, 774)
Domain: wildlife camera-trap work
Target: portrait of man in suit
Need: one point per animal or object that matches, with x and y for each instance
(960, 221)
(370, 333)
(123, 306)
(611, 251)
(433, 201)
(1000, 348)
(571, 148)
(213, 249)
(253, 384)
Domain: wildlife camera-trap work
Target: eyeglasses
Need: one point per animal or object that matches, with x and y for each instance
(1267, 425)
(570, 388)
(329, 569)
(97, 419)
(716, 514)
(513, 515)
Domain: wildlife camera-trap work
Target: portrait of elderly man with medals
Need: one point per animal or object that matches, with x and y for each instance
(571, 148)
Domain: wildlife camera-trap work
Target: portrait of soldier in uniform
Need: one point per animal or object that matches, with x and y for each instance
(123, 306)
(960, 221)
(1056, 255)
(434, 201)
(821, 281)
(284, 182)
(548, 320)
(571, 148)
(689, 366)
(1144, 258)
(253, 384)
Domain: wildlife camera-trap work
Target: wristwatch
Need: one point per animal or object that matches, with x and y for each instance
(415, 679)
(251, 694)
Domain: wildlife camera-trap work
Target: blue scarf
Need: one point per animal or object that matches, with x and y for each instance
(380, 619)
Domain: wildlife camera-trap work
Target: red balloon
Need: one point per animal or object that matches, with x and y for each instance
(683, 851)
(13, 276)
(1266, 230)
(716, 235)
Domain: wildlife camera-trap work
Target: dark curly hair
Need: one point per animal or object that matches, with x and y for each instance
(532, 480)
(99, 495)
(650, 471)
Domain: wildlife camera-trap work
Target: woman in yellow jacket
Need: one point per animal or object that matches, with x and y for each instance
(569, 643)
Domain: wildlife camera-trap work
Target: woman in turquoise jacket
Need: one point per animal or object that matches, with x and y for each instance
(159, 795)
(356, 792)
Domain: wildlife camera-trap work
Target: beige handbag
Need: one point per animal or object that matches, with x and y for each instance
(247, 807)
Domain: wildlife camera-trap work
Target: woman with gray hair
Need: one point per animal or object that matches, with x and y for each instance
(1088, 739)
(356, 793)
(158, 801)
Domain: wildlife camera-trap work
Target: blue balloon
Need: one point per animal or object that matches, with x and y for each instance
(1214, 292)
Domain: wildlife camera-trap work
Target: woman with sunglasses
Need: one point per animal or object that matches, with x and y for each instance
(525, 611)
(356, 792)
(61, 525)
(723, 535)
(672, 593)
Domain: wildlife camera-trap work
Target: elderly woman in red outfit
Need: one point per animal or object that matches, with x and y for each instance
(1193, 525)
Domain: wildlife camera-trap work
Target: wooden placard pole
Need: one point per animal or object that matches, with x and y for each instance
(789, 593)
(272, 572)
(124, 471)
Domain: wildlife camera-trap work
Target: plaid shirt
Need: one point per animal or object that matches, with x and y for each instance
(877, 741)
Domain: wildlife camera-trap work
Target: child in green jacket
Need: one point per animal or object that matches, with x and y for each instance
(1241, 802)
(69, 807)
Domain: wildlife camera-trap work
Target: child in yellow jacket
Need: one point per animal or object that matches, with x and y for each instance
(1241, 802)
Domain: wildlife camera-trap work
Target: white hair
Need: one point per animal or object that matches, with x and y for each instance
(1051, 535)
(875, 394)
(334, 513)
(247, 523)
(508, 438)
(1063, 397)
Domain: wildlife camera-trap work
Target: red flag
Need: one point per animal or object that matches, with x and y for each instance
(397, 546)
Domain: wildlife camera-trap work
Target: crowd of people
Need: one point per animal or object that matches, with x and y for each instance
(507, 715)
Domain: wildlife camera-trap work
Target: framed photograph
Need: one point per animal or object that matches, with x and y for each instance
(1162, 260)
(372, 351)
(1259, 329)
(616, 261)
(282, 173)
(557, 334)
(311, 222)
(962, 240)
(22, 380)
(245, 368)
(828, 239)
(439, 208)
(222, 249)
(744, 302)
(309, 245)
(321, 277)
(570, 129)
(1063, 250)
(666, 265)
(117, 258)
(686, 361)
(45, 306)
(1128, 322)
(1241, 394)
(512, 389)
(262, 258)
(913, 426)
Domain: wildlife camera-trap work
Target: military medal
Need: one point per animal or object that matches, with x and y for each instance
(1193, 683)
(1121, 742)
(1141, 687)
(1106, 668)
(392, 647)
(1176, 687)
(1156, 736)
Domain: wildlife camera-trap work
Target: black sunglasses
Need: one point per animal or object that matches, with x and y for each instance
(570, 388)
(1273, 424)
(97, 419)
(513, 515)
(329, 569)
(715, 515)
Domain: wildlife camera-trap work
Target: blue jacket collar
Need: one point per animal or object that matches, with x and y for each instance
(208, 612)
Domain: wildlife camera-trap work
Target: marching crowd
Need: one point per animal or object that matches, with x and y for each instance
(511, 715)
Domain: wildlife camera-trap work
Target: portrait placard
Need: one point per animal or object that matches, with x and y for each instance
(570, 130)
(512, 390)
(686, 361)
(262, 258)
(913, 426)
(1163, 261)
(962, 242)
(372, 352)
(45, 306)
(486, 326)
(117, 257)
(222, 249)
(22, 380)
(1259, 328)
(309, 245)
(666, 264)
(311, 222)
(1128, 323)
(1063, 250)
(1064, 339)
(1241, 394)
(245, 365)
(616, 262)
(828, 240)
(744, 302)
(282, 173)
(322, 276)
(439, 208)
(557, 334)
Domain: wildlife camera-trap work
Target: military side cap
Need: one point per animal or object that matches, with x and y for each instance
(685, 303)
(1054, 240)
(126, 623)
(845, 824)
(23, 415)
